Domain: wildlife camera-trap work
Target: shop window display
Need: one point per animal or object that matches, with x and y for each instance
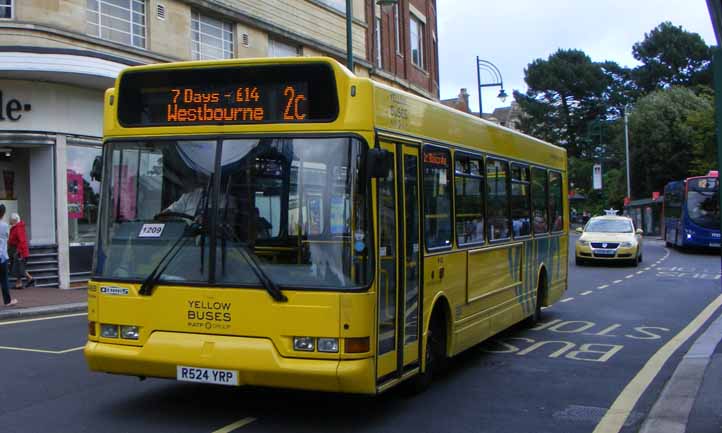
(83, 194)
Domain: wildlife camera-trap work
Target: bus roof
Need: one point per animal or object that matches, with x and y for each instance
(399, 112)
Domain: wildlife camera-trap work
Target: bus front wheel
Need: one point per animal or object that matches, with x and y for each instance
(435, 354)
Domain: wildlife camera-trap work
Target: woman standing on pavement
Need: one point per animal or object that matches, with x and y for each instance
(19, 244)
(4, 236)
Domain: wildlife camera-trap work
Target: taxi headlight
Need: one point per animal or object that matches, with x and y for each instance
(108, 331)
(583, 243)
(626, 244)
(304, 344)
(129, 332)
(329, 345)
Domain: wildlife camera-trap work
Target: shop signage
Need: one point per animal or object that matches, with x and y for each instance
(12, 110)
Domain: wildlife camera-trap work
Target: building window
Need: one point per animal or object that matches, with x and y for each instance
(397, 27)
(121, 21)
(212, 38)
(83, 194)
(379, 53)
(6, 9)
(437, 198)
(336, 4)
(277, 48)
(417, 42)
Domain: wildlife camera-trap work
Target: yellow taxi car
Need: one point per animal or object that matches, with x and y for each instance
(609, 237)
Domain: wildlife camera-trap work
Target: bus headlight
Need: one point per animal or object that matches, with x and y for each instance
(129, 332)
(329, 345)
(108, 331)
(304, 344)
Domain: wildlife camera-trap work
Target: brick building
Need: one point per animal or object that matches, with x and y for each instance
(58, 56)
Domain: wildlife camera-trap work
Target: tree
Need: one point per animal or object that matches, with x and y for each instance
(671, 56)
(671, 135)
(565, 93)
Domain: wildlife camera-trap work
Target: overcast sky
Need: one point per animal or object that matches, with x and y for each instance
(512, 33)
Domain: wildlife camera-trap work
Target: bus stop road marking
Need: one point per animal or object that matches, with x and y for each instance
(51, 352)
(566, 299)
(603, 286)
(13, 322)
(616, 281)
(640, 272)
(586, 293)
(647, 268)
(617, 414)
(234, 426)
(629, 276)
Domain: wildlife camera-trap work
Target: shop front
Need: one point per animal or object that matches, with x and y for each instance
(50, 135)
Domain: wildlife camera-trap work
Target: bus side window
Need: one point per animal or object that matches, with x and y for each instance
(437, 197)
(539, 200)
(520, 220)
(469, 193)
(555, 201)
(497, 192)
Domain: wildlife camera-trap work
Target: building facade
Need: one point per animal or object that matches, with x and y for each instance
(58, 56)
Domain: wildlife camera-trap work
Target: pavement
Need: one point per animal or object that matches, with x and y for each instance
(38, 301)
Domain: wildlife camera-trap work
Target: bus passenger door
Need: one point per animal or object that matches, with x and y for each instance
(412, 269)
(398, 287)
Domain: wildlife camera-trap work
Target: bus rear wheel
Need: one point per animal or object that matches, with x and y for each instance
(435, 354)
(540, 293)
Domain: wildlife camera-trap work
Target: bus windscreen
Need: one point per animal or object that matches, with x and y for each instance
(222, 95)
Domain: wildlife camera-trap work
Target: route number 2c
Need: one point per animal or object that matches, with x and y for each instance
(292, 112)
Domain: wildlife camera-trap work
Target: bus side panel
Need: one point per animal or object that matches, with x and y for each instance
(552, 255)
(494, 294)
(445, 273)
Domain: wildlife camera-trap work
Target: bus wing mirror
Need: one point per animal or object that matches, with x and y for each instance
(378, 163)
(96, 172)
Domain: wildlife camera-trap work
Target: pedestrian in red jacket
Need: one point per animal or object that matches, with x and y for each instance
(19, 243)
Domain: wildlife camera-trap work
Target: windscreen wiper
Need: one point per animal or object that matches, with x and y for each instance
(268, 283)
(147, 287)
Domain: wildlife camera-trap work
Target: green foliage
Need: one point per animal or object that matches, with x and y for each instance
(578, 104)
(671, 137)
(671, 56)
(565, 92)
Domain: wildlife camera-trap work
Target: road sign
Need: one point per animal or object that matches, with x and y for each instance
(597, 176)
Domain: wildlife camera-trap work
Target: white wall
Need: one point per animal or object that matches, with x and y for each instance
(54, 108)
(42, 196)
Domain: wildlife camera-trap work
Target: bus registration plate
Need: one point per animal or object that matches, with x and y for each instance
(207, 375)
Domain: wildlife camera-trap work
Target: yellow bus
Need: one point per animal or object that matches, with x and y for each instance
(284, 223)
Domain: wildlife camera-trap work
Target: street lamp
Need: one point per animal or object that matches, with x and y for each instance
(496, 76)
(349, 28)
(626, 149)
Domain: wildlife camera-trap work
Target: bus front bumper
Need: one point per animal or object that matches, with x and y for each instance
(256, 360)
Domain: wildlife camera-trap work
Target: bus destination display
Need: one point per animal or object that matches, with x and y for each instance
(239, 104)
(230, 95)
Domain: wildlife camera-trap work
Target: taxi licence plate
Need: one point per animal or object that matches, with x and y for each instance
(714, 244)
(604, 252)
(207, 375)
